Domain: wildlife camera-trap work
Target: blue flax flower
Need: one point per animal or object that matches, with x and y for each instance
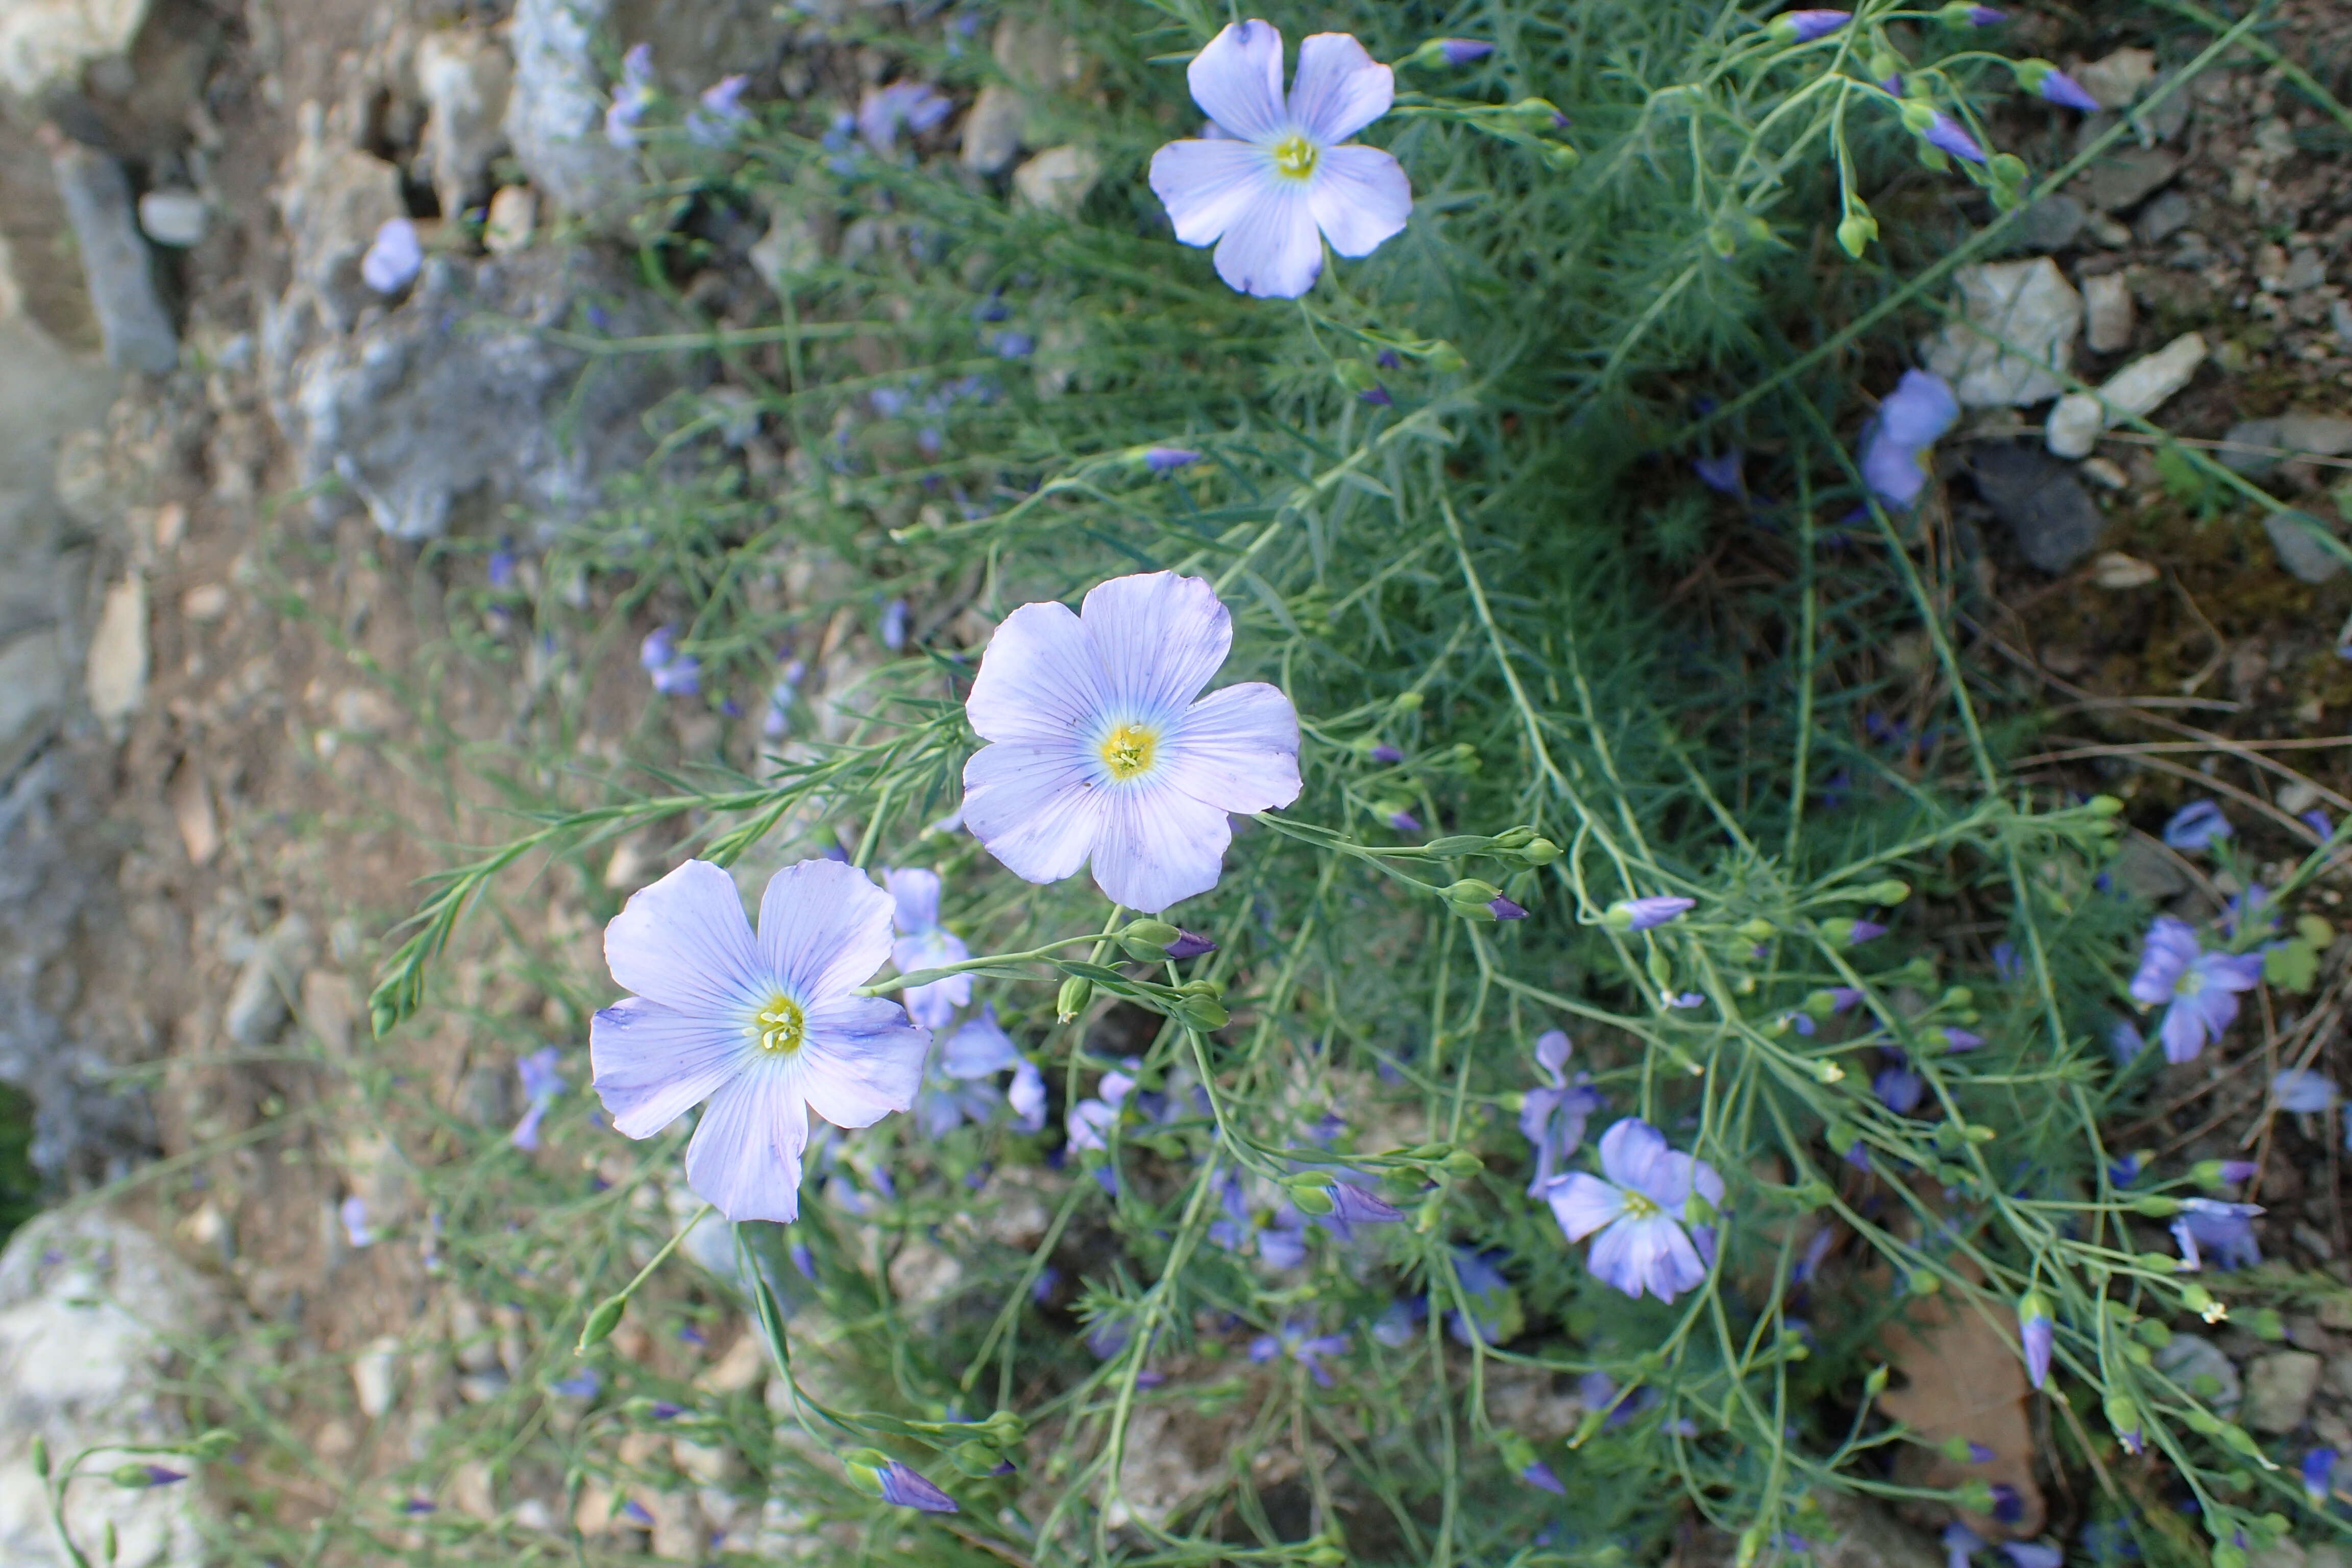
(1283, 177)
(1640, 1205)
(1898, 1084)
(2038, 1334)
(2197, 826)
(1642, 914)
(978, 1051)
(1961, 1543)
(394, 257)
(1306, 1348)
(2302, 1090)
(924, 944)
(674, 674)
(632, 97)
(882, 112)
(1553, 1118)
(2319, 1475)
(1910, 421)
(908, 1488)
(1804, 26)
(767, 1029)
(2033, 1555)
(718, 115)
(1104, 749)
(2227, 1229)
(542, 1085)
(2201, 987)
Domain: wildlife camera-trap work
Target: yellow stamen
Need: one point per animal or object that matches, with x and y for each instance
(1295, 156)
(782, 1024)
(1640, 1205)
(1128, 749)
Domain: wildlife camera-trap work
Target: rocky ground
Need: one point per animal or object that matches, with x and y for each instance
(222, 456)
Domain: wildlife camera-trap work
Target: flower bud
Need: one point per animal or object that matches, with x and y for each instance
(1314, 1200)
(601, 1323)
(1446, 359)
(1855, 232)
(2106, 805)
(1757, 930)
(1892, 890)
(1471, 893)
(1356, 376)
(2156, 1206)
(1072, 999)
(1539, 852)
(1148, 940)
(975, 1459)
(1540, 113)
(1203, 1013)
(1462, 1162)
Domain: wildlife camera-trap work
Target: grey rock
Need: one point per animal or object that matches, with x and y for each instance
(1868, 1536)
(116, 263)
(2279, 1390)
(333, 201)
(465, 78)
(2165, 118)
(695, 45)
(2107, 314)
(2293, 535)
(258, 1004)
(114, 670)
(2118, 78)
(173, 218)
(2198, 1365)
(2126, 177)
(555, 111)
(2305, 269)
(2339, 316)
(2146, 871)
(2163, 217)
(2053, 518)
(992, 131)
(2319, 435)
(1060, 179)
(32, 692)
(46, 43)
(87, 1302)
(458, 396)
(2052, 224)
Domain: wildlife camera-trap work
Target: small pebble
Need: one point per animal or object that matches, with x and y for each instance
(175, 218)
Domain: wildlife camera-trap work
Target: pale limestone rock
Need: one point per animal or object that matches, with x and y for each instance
(2139, 388)
(115, 677)
(2108, 312)
(2017, 330)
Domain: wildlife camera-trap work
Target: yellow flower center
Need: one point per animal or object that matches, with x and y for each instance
(1640, 1205)
(782, 1024)
(1295, 156)
(1128, 749)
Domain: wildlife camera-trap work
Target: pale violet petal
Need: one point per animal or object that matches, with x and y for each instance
(1340, 89)
(746, 1154)
(1671, 1263)
(982, 1047)
(1618, 1258)
(1630, 1152)
(1157, 639)
(1360, 197)
(1583, 1203)
(914, 897)
(1027, 1094)
(1272, 250)
(824, 928)
(1237, 79)
(1553, 1048)
(1238, 750)
(934, 1004)
(1031, 808)
(1038, 682)
(649, 1063)
(862, 1059)
(684, 942)
(1207, 185)
(1158, 846)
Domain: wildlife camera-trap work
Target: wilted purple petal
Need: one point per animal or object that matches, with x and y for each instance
(1946, 133)
(2066, 93)
(1540, 1474)
(1642, 914)
(2304, 1091)
(1386, 754)
(2197, 826)
(1160, 459)
(1721, 473)
(1804, 26)
(1504, 910)
(1462, 51)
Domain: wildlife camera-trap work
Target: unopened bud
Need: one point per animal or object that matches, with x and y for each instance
(975, 1459)
(2106, 805)
(1446, 359)
(1462, 1162)
(1470, 892)
(1314, 1200)
(1356, 376)
(1892, 890)
(1538, 852)
(1072, 999)
(1148, 940)
(1855, 232)
(1203, 1013)
(601, 1323)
